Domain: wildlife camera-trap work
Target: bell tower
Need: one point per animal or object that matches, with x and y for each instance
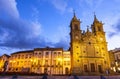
(75, 37)
(97, 26)
(97, 29)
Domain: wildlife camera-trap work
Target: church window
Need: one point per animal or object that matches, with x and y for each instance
(85, 68)
(84, 51)
(100, 68)
(103, 54)
(76, 27)
(89, 43)
(105, 62)
(99, 29)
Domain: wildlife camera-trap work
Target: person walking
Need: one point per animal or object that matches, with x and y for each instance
(76, 77)
(102, 77)
(44, 76)
(70, 77)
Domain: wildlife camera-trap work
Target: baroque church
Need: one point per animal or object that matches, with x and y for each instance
(89, 53)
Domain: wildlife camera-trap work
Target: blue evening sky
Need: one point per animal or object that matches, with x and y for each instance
(28, 24)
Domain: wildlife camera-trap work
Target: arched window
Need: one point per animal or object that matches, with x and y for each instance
(76, 27)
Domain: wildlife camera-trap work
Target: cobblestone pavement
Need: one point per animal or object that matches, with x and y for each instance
(59, 77)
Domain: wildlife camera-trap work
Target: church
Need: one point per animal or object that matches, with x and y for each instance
(89, 53)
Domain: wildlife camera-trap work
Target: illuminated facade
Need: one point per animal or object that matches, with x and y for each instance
(52, 61)
(20, 61)
(3, 62)
(115, 60)
(89, 53)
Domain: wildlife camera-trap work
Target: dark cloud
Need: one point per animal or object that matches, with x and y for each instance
(62, 43)
(111, 34)
(116, 28)
(17, 33)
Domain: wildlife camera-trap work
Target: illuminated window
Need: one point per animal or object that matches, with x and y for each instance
(47, 53)
(54, 62)
(46, 62)
(54, 52)
(68, 62)
(59, 52)
(64, 62)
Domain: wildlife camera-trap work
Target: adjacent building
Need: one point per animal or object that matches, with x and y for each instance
(53, 61)
(4, 62)
(115, 60)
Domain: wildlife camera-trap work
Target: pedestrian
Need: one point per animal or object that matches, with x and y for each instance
(102, 77)
(70, 77)
(76, 77)
(14, 76)
(44, 76)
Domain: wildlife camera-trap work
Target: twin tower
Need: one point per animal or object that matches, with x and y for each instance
(89, 53)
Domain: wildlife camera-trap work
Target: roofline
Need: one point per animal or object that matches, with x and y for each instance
(47, 48)
(27, 51)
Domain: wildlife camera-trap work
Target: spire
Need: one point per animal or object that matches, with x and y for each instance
(74, 12)
(87, 28)
(95, 18)
(74, 16)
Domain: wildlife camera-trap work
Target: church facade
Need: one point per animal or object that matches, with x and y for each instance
(89, 53)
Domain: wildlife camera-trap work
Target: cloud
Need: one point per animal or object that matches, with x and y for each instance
(60, 5)
(18, 34)
(62, 43)
(112, 27)
(9, 7)
(90, 4)
(118, 25)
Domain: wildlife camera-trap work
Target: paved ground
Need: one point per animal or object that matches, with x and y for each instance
(59, 77)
